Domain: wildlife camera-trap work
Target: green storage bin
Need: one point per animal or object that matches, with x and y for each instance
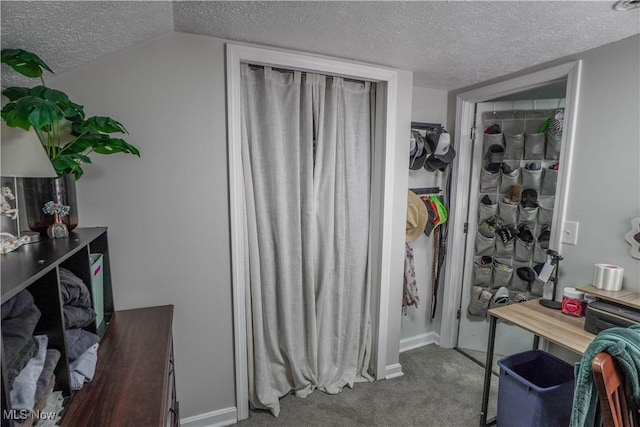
(97, 286)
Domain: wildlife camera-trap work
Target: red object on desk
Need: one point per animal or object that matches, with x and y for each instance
(573, 307)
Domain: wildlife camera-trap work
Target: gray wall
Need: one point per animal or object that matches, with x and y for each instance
(604, 192)
(167, 212)
(430, 106)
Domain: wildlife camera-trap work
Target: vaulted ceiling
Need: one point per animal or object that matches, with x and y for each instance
(447, 44)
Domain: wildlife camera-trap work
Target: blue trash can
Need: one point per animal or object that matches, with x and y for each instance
(535, 390)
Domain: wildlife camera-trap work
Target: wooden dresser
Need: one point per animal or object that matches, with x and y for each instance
(134, 383)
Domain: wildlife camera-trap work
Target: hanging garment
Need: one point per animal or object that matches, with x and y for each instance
(308, 321)
(410, 295)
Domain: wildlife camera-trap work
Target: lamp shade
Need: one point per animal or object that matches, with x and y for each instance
(22, 155)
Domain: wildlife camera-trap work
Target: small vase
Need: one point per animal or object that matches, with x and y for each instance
(38, 191)
(57, 229)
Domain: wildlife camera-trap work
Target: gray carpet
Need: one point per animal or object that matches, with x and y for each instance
(440, 387)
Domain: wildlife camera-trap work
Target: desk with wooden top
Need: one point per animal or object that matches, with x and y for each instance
(561, 329)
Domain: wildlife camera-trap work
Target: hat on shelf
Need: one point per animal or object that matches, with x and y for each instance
(417, 216)
(442, 149)
(418, 154)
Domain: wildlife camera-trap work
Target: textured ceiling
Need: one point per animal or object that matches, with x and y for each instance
(447, 45)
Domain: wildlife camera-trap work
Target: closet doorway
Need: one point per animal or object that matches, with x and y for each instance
(385, 205)
(528, 160)
(465, 200)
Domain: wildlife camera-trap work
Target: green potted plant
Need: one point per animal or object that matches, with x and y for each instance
(67, 136)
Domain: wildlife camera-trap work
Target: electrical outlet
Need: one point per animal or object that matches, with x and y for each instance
(570, 232)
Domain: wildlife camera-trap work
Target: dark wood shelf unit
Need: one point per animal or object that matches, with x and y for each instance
(35, 267)
(134, 381)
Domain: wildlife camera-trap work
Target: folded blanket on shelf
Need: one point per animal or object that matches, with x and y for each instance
(78, 341)
(76, 300)
(23, 392)
(19, 319)
(73, 290)
(50, 362)
(78, 317)
(83, 368)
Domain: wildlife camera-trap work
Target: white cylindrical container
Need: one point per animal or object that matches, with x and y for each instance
(607, 277)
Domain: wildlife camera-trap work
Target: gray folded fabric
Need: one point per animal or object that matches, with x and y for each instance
(83, 368)
(78, 317)
(23, 392)
(19, 319)
(73, 290)
(50, 362)
(78, 341)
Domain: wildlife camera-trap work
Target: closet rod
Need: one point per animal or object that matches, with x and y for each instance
(285, 70)
(421, 125)
(426, 190)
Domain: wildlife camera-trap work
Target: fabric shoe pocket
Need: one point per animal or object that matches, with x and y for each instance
(545, 215)
(508, 213)
(552, 151)
(489, 181)
(531, 179)
(484, 245)
(527, 216)
(513, 146)
(479, 301)
(491, 139)
(486, 211)
(523, 250)
(549, 181)
(518, 284)
(482, 274)
(539, 254)
(537, 288)
(504, 250)
(533, 146)
(507, 180)
(501, 277)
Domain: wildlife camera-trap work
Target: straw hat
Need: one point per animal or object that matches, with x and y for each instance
(417, 216)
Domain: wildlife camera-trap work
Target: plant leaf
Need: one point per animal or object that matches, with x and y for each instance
(101, 124)
(13, 118)
(37, 111)
(24, 62)
(15, 93)
(115, 145)
(70, 109)
(69, 163)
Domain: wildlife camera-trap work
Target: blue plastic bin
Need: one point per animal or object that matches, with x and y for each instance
(535, 389)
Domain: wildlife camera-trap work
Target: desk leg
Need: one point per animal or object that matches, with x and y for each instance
(536, 342)
(487, 370)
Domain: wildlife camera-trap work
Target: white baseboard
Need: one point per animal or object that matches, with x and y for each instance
(393, 371)
(219, 418)
(418, 341)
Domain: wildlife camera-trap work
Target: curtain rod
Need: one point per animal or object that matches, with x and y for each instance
(285, 70)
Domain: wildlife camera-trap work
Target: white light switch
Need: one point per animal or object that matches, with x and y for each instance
(570, 232)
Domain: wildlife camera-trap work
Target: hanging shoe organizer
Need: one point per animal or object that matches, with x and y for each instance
(516, 201)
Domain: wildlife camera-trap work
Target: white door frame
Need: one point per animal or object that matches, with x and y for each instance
(380, 247)
(461, 173)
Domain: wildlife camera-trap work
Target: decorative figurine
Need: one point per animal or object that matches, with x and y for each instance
(5, 207)
(58, 210)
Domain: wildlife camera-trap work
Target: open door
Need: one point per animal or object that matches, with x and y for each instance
(464, 193)
(516, 147)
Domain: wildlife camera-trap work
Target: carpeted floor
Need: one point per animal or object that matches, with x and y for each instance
(440, 387)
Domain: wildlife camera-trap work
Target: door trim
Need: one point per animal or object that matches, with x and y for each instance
(383, 211)
(461, 173)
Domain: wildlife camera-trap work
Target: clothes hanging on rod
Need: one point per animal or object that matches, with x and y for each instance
(410, 295)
